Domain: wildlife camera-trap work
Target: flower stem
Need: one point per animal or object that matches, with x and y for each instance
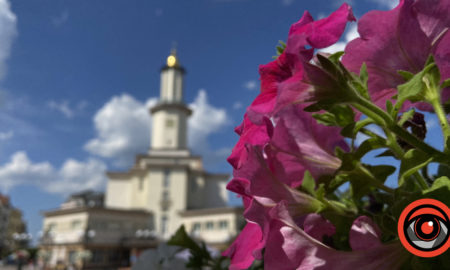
(436, 103)
(393, 145)
(373, 181)
(385, 120)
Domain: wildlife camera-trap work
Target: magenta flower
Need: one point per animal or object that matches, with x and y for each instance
(262, 190)
(269, 162)
(255, 179)
(401, 39)
(246, 247)
(364, 234)
(251, 134)
(281, 79)
(303, 141)
(290, 247)
(266, 177)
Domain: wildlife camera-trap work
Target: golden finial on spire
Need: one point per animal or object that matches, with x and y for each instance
(172, 60)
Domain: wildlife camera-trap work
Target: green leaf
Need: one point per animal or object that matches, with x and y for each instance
(352, 129)
(416, 88)
(325, 118)
(281, 47)
(412, 162)
(369, 145)
(412, 88)
(389, 107)
(360, 187)
(363, 75)
(387, 153)
(308, 183)
(335, 57)
(445, 84)
(315, 107)
(320, 192)
(406, 74)
(337, 181)
(406, 116)
(328, 65)
(361, 88)
(441, 182)
(443, 170)
(182, 239)
(381, 172)
(430, 60)
(348, 131)
(338, 115)
(344, 115)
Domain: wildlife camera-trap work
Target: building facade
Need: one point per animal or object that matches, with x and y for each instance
(165, 188)
(5, 209)
(169, 181)
(13, 229)
(85, 234)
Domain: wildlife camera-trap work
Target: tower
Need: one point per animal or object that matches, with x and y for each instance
(170, 115)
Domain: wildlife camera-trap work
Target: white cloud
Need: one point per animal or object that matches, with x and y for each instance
(8, 30)
(64, 107)
(237, 105)
(12, 109)
(73, 175)
(4, 136)
(76, 175)
(159, 12)
(123, 127)
(287, 2)
(205, 119)
(338, 3)
(390, 4)
(251, 85)
(350, 34)
(61, 19)
(431, 123)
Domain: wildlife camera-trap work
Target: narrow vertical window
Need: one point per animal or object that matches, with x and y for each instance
(166, 180)
(164, 223)
(141, 184)
(165, 195)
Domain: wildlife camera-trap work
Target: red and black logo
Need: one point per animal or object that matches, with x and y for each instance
(423, 228)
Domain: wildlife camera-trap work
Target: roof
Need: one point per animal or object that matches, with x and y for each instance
(90, 210)
(211, 211)
(123, 175)
(4, 200)
(166, 105)
(180, 68)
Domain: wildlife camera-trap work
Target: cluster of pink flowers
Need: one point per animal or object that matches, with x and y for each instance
(279, 141)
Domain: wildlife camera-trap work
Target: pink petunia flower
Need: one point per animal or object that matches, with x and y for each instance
(401, 39)
(289, 247)
(279, 141)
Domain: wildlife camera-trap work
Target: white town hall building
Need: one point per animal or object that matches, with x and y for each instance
(164, 189)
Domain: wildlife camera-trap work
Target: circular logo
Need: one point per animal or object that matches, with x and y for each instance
(423, 228)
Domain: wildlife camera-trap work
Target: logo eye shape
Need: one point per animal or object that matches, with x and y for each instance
(427, 230)
(424, 228)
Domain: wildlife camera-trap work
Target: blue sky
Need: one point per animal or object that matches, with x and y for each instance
(77, 78)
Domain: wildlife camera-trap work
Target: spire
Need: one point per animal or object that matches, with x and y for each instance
(170, 115)
(172, 60)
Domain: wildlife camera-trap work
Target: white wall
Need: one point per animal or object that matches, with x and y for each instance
(216, 191)
(215, 234)
(63, 230)
(118, 194)
(164, 136)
